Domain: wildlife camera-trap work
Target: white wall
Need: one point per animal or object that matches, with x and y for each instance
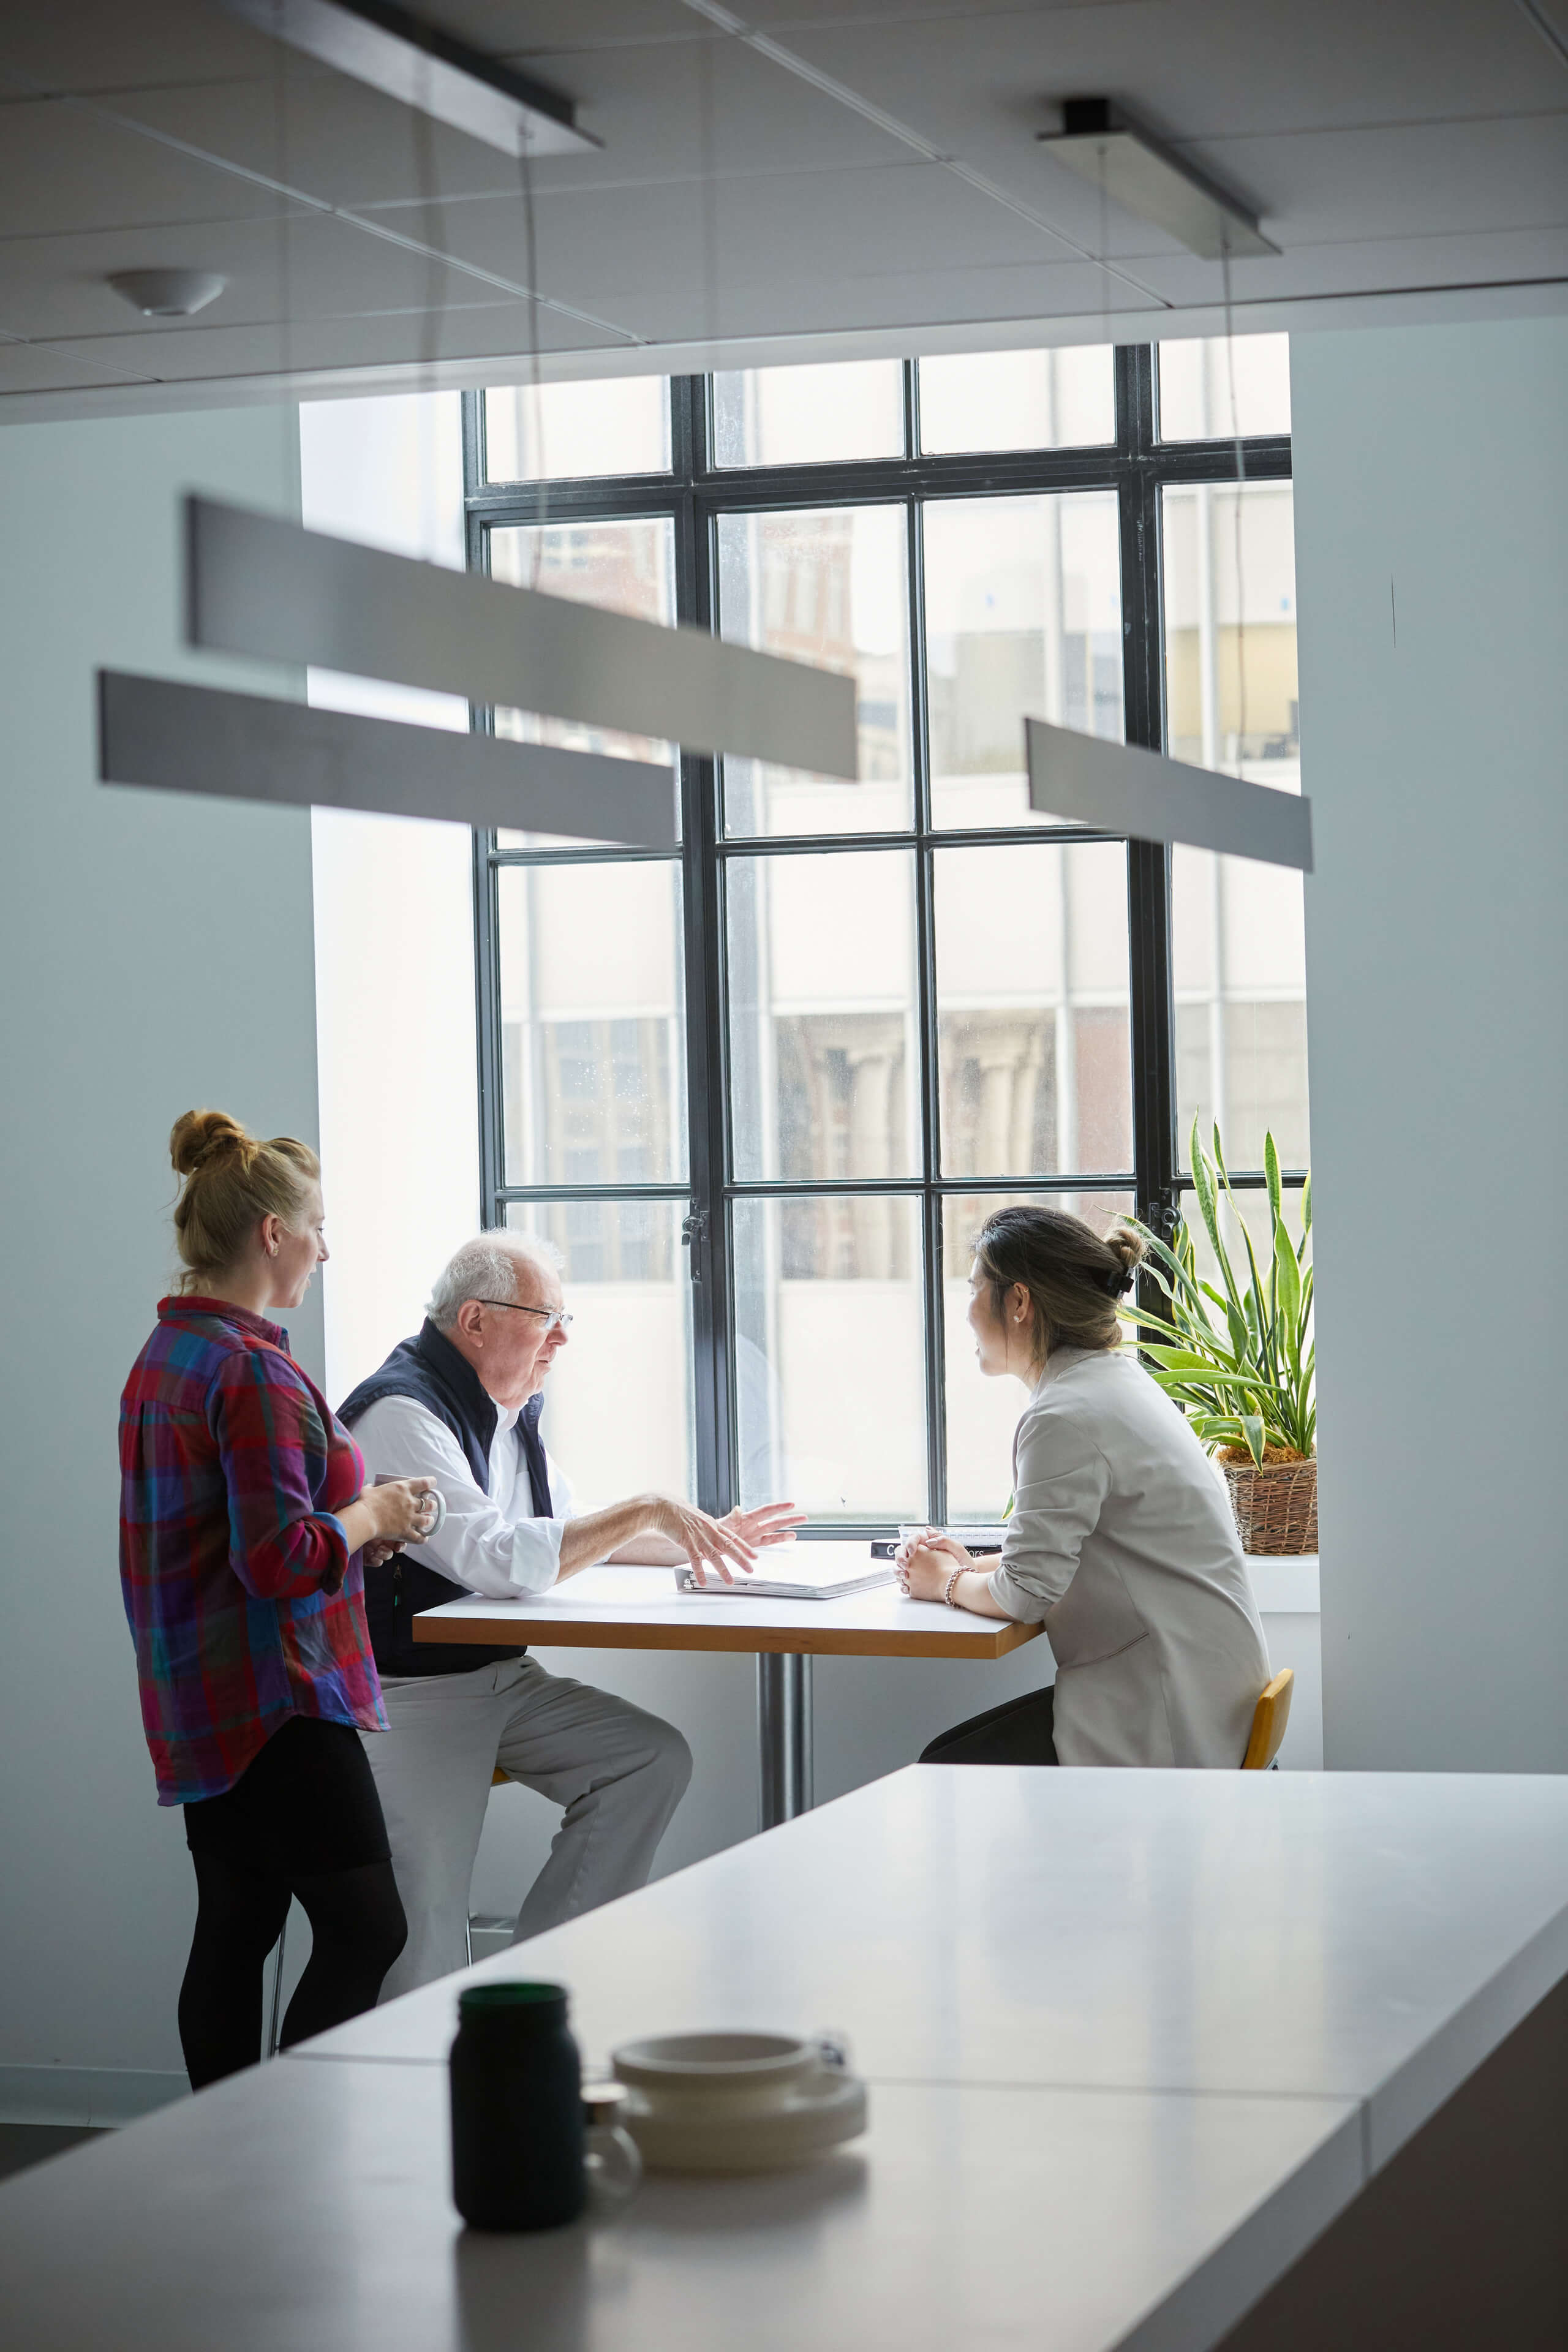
(394, 943)
(1432, 563)
(155, 954)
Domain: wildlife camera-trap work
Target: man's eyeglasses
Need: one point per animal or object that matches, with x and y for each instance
(553, 1319)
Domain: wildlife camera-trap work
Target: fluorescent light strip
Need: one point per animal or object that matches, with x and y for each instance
(1140, 172)
(195, 738)
(1120, 789)
(421, 67)
(261, 586)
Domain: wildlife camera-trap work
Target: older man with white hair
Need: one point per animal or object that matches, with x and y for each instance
(460, 1403)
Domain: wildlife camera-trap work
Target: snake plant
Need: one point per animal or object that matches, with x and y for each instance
(1239, 1362)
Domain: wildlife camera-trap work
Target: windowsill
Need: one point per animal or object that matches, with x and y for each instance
(1285, 1588)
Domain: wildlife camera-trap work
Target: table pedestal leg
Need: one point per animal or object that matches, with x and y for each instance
(783, 1736)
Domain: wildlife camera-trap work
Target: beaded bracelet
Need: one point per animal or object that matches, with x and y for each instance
(951, 1583)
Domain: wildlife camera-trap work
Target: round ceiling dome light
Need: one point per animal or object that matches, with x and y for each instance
(167, 293)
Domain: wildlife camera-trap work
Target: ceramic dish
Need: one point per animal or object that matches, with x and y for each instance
(722, 2103)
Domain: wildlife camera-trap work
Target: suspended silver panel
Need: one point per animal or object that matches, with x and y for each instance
(258, 585)
(194, 739)
(1140, 172)
(1121, 789)
(421, 66)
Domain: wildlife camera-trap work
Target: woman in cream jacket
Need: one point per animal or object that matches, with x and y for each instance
(1121, 1545)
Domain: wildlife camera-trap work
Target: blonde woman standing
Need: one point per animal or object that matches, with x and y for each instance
(243, 1527)
(1121, 1545)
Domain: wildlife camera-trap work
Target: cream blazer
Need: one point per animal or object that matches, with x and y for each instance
(1122, 1546)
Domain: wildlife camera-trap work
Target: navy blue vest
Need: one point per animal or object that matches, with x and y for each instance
(429, 1369)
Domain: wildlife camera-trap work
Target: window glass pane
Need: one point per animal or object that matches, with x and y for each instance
(627, 567)
(822, 1026)
(1032, 1010)
(620, 425)
(617, 1406)
(1018, 400)
(1237, 951)
(830, 588)
(592, 1050)
(1216, 388)
(809, 415)
(982, 1412)
(825, 1288)
(1023, 620)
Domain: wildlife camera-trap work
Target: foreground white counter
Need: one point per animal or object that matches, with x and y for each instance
(1135, 2040)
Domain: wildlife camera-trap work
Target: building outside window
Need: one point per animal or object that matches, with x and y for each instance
(762, 1091)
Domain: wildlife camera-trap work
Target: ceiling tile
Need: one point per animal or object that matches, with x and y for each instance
(24, 367)
(103, 44)
(1377, 266)
(836, 227)
(217, 354)
(55, 286)
(62, 168)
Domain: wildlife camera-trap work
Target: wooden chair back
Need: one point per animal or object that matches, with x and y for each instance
(1270, 1718)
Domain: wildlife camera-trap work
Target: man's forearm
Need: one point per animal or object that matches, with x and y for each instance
(599, 1535)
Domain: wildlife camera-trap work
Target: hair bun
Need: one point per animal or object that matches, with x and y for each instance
(197, 1135)
(1126, 1245)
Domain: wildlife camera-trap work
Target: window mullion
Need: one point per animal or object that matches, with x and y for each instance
(708, 1229)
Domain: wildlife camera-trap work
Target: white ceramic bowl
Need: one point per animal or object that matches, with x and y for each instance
(720, 2102)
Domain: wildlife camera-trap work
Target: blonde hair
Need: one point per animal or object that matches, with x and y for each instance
(1073, 1277)
(232, 1180)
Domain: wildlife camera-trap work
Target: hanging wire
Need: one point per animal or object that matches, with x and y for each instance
(433, 310)
(285, 240)
(1239, 501)
(534, 390)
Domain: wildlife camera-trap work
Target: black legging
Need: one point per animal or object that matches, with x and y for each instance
(1019, 1731)
(302, 1820)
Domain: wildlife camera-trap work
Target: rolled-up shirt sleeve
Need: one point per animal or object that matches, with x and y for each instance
(270, 1439)
(1062, 1481)
(476, 1546)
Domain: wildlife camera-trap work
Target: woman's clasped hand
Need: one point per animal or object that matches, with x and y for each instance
(924, 1564)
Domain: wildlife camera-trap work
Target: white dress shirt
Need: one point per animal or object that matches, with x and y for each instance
(491, 1544)
(1123, 1546)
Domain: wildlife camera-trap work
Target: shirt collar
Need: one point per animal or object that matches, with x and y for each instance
(1059, 1360)
(193, 1303)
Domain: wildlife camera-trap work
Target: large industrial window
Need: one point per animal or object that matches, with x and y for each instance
(762, 1091)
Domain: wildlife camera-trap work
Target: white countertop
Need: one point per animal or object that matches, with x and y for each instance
(1132, 2040)
(304, 2208)
(1361, 1936)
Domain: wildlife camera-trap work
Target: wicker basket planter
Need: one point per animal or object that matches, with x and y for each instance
(1276, 1507)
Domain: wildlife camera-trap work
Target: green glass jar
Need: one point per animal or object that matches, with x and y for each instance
(517, 2109)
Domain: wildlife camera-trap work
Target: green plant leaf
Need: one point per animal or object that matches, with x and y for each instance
(1252, 1431)
(1271, 1172)
(1307, 1205)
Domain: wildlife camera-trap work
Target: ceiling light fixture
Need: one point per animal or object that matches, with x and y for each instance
(425, 69)
(258, 584)
(173, 737)
(167, 293)
(1101, 143)
(1119, 788)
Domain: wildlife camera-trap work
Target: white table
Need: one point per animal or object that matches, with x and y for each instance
(625, 1608)
(1135, 2042)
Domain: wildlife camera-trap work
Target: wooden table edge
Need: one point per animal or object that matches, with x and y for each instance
(796, 1641)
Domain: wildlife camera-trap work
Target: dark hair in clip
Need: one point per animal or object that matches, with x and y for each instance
(1070, 1274)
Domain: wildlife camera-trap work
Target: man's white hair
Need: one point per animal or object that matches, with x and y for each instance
(486, 1268)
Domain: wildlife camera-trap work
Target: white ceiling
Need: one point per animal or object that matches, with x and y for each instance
(782, 179)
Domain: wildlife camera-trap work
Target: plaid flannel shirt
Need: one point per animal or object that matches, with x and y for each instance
(243, 1601)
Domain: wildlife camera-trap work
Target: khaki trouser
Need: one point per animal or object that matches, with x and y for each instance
(617, 1772)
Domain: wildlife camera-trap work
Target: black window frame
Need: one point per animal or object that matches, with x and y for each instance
(1138, 466)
